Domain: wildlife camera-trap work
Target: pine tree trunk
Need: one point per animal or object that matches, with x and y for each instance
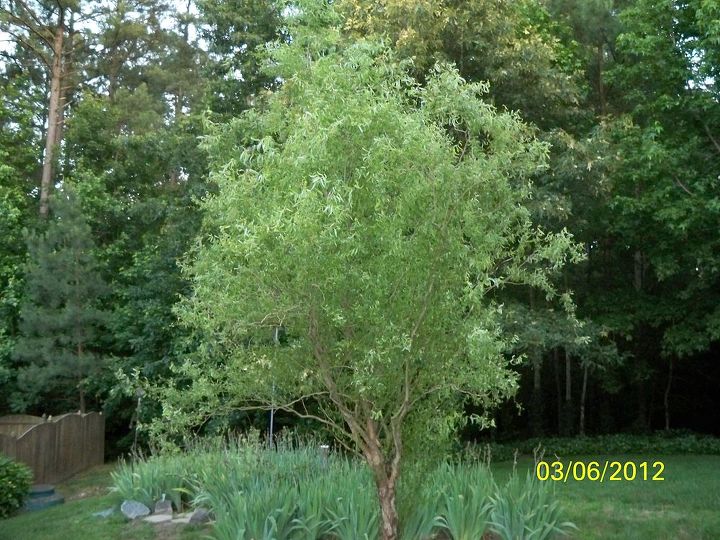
(558, 389)
(81, 390)
(51, 137)
(568, 378)
(601, 85)
(666, 398)
(583, 394)
(82, 399)
(536, 405)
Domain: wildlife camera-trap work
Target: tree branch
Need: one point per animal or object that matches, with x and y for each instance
(715, 142)
(21, 39)
(30, 12)
(18, 21)
(685, 189)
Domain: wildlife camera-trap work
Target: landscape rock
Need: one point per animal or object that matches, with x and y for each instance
(163, 507)
(200, 515)
(134, 509)
(158, 518)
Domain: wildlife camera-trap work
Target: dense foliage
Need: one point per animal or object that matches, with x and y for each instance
(15, 479)
(129, 105)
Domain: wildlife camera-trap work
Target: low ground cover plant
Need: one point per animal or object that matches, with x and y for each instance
(15, 480)
(656, 444)
(296, 492)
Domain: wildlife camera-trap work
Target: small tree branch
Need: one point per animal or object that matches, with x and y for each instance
(30, 12)
(715, 142)
(685, 189)
(38, 53)
(18, 21)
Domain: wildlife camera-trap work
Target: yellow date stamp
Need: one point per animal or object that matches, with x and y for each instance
(599, 471)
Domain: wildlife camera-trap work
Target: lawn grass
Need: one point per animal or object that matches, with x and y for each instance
(686, 505)
(84, 494)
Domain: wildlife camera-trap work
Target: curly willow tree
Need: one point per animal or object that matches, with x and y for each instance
(372, 219)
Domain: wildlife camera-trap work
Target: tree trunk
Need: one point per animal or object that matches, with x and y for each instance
(536, 403)
(568, 413)
(81, 390)
(641, 365)
(601, 86)
(388, 511)
(666, 398)
(568, 378)
(51, 137)
(583, 394)
(558, 389)
(386, 470)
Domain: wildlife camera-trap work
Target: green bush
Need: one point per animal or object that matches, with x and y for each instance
(656, 444)
(15, 480)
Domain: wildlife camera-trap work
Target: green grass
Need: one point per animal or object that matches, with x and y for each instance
(84, 494)
(686, 505)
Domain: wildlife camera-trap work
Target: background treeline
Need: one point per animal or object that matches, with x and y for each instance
(102, 167)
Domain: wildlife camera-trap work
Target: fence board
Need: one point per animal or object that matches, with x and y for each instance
(57, 448)
(17, 424)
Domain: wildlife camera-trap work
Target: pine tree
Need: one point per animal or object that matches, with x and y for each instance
(60, 317)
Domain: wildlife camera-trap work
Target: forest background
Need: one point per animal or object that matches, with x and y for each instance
(106, 113)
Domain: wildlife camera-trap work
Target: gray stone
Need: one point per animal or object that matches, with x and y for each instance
(158, 518)
(163, 507)
(200, 515)
(134, 509)
(181, 520)
(105, 513)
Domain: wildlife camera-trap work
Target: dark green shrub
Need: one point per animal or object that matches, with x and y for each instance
(660, 443)
(15, 480)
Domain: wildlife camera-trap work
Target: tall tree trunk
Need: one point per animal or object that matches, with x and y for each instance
(558, 389)
(583, 395)
(568, 378)
(601, 85)
(568, 413)
(536, 400)
(640, 352)
(666, 397)
(54, 111)
(81, 390)
(536, 404)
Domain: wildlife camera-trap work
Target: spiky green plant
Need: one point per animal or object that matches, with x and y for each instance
(527, 511)
(294, 493)
(464, 504)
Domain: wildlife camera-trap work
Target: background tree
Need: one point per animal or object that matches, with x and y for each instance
(46, 30)
(18, 165)
(60, 319)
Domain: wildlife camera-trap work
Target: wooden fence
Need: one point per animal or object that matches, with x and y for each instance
(54, 448)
